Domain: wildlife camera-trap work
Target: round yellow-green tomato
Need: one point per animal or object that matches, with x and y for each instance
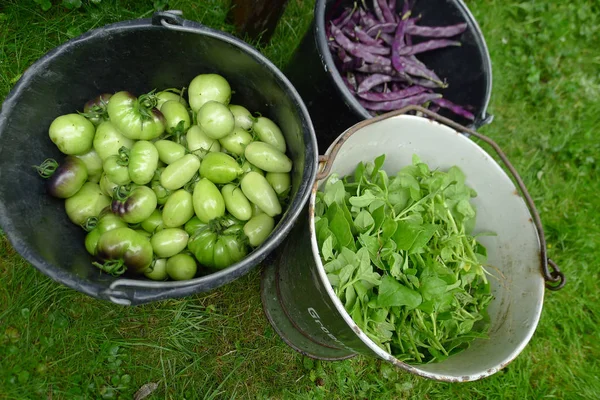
(108, 140)
(167, 95)
(93, 163)
(169, 241)
(178, 209)
(73, 134)
(157, 271)
(208, 87)
(215, 119)
(87, 202)
(181, 267)
(236, 142)
(199, 143)
(176, 116)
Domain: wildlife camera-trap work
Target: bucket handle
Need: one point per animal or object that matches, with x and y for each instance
(554, 277)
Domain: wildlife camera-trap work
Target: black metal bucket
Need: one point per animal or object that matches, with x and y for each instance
(333, 108)
(137, 55)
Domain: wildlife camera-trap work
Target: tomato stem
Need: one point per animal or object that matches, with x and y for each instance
(123, 156)
(47, 168)
(121, 192)
(90, 223)
(113, 267)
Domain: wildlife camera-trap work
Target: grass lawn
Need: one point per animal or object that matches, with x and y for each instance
(56, 343)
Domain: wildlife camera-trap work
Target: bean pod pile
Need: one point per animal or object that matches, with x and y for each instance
(169, 188)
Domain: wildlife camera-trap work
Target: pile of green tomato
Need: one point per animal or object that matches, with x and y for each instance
(166, 187)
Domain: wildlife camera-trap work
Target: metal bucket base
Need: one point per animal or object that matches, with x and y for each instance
(276, 315)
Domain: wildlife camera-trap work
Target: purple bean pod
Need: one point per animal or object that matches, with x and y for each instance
(393, 95)
(455, 108)
(398, 43)
(356, 49)
(418, 99)
(436, 31)
(378, 11)
(388, 27)
(365, 38)
(427, 46)
(366, 19)
(372, 81)
(388, 14)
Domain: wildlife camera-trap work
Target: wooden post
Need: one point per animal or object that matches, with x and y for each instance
(256, 18)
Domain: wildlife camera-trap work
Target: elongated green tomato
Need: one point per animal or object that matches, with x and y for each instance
(87, 202)
(91, 241)
(180, 172)
(73, 134)
(124, 249)
(162, 194)
(208, 87)
(143, 161)
(267, 157)
(178, 209)
(256, 210)
(236, 203)
(133, 203)
(247, 167)
(116, 168)
(181, 267)
(194, 225)
(208, 201)
(243, 118)
(136, 118)
(169, 241)
(107, 221)
(215, 119)
(170, 94)
(108, 140)
(220, 168)
(63, 180)
(168, 151)
(236, 142)
(258, 229)
(176, 116)
(259, 191)
(280, 181)
(199, 143)
(154, 223)
(106, 185)
(157, 271)
(95, 109)
(268, 132)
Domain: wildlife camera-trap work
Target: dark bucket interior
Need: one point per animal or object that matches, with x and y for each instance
(136, 56)
(333, 108)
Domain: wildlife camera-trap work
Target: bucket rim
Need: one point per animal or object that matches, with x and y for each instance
(322, 274)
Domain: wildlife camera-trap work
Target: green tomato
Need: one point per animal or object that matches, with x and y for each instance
(95, 109)
(267, 157)
(107, 221)
(193, 225)
(109, 140)
(154, 222)
(258, 229)
(124, 249)
(280, 181)
(117, 170)
(236, 142)
(91, 241)
(169, 241)
(169, 94)
(208, 87)
(136, 118)
(199, 143)
(143, 162)
(258, 190)
(243, 118)
(181, 267)
(157, 271)
(218, 250)
(220, 168)
(208, 201)
(106, 185)
(256, 210)
(180, 172)
(162, 194)
(215, 119)
(178, 209)
(177, 117)
(247, 167)
(145, 234)
(267, 131)
(89, 201)
(169, 151)
(63, 180)
(236, 203)
(134, 204)
(72, 133)
(93, 164)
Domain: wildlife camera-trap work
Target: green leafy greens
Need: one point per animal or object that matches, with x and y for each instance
(399, 253)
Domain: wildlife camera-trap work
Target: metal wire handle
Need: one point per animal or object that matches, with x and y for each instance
(552, 274)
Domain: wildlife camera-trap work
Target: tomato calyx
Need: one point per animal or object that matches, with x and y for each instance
(189, 187)
(145, 104)
(112, 267)
(47, 168)
(123, 156)
(121, 192)
(90, 223)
